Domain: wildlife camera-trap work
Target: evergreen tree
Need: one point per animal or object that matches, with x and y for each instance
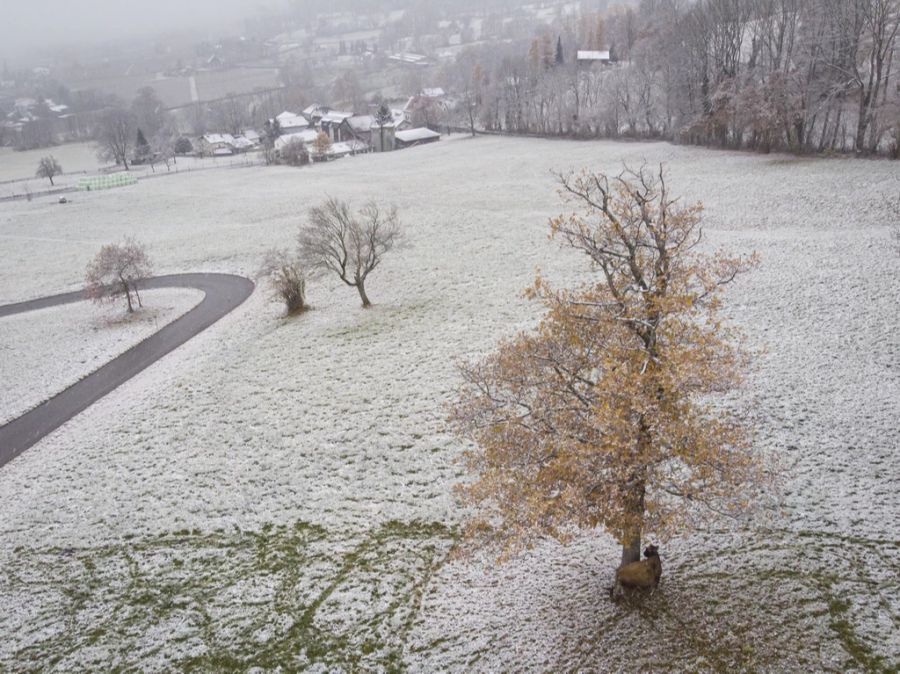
(560, 59)
(271, 132)
(142, 151)
(383, 117)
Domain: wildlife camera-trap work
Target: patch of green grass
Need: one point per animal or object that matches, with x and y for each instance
(275, 598)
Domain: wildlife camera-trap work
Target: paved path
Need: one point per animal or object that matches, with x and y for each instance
(223, 293)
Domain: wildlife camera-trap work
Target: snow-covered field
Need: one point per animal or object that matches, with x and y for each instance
(278, 492)
(73, 157)
(17, 169)
(42, 352)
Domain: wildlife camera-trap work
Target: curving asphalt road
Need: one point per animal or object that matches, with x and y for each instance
(223, 293)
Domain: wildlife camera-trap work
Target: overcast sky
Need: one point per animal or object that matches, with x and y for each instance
(25, 24)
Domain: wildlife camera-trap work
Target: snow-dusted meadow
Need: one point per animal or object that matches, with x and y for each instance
(43, 352)
(278, 492)
(17, 169)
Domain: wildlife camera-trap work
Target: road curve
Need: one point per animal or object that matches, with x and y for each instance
(223, 293)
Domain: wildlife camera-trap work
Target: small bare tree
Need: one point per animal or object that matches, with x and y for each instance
(351, 245)
(116, 270)
(287, 280)
(48, 167)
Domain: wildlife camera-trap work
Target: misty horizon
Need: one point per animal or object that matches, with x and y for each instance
(37, 28)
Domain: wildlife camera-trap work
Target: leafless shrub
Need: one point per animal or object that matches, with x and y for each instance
(286, 279)
(116, 271)
(295, 154)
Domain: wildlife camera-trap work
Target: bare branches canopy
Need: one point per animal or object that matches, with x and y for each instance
(114, 133)
(116, 271)
(48, 167)
(349, 244)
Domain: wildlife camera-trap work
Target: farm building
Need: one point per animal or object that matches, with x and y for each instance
(589, 57)
(216, 144)
(331, 123)
(383, 140)
(419, 136)
(358, 127)
(223, 144)
(307, 137)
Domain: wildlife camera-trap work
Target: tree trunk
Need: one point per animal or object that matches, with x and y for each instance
(51, 180)
(631, 548)
(128, 298)
(361, 287)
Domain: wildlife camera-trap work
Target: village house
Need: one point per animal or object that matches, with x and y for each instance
(307, 137)
(331, 122)
(222, 145)
(313, 113)
(215, 144)
(290, 122)
(358, 127)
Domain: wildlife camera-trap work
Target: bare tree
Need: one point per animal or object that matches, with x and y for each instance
(163, 146)
(880, 25)
(116, 271)
(113, 135)
(347, 89)
(48, 167)
(287, 279)
(351, 245)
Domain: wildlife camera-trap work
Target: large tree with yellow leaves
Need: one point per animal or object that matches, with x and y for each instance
(610, 413)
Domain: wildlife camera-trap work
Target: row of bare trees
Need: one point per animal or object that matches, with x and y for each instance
(335, 239)
(142, 132)
(799, 75)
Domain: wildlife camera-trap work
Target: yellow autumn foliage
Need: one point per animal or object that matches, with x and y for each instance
(610, 413)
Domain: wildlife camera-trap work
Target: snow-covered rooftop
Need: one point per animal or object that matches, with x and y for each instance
(336, 116)
(214, 138)
(413, 135)
(306, 136)
(290, 120)
(592, 55)
(361, 122)
(242, 143)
